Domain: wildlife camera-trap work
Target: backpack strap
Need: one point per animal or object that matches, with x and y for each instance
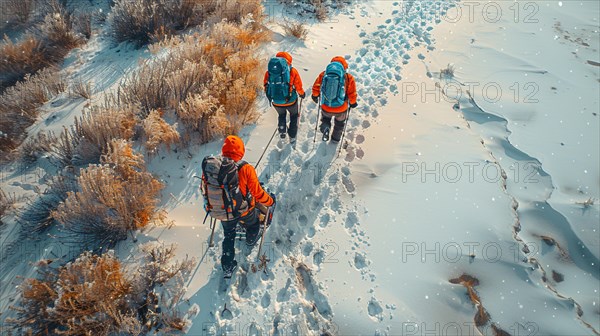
(239, 165)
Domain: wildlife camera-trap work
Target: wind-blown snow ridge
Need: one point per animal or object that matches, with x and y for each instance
(580, 255)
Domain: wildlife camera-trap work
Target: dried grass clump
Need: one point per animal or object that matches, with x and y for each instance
(35, 147)
(113, 199)
(138, 21)
(18, 59)
(321, 12)
(227, 102)
(158, 132)
(91, 134)
(158, 270)
(51, 41)
(97, 295)
(81, 88)
(36, 216)
(16, 12)
(6, 203)
(86, 297)
(19, 105)
(211, 81)
(295, 29)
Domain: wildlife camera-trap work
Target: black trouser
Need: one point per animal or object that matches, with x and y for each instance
(338, 128)
(292, 130)
(252, 225)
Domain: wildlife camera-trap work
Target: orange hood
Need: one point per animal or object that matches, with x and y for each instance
(342, 60)
(285, 55)
(233, 148)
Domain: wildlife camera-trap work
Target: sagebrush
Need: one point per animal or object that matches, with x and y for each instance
(19, 105)
(113, 198)
(98, 295)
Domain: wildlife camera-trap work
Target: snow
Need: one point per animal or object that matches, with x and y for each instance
(432, 184)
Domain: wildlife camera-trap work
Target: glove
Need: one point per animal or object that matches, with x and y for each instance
(315, 99)
(274, 198)
(303, 95)
(353, 105)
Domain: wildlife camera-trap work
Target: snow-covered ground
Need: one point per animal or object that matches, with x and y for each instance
(482, 172)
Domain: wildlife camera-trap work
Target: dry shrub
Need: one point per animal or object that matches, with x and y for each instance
(83, 24)
(17, 11)
(19, 105)
(53, 39)
(89, 137)
(81, 88)
(227, 101)
(36, 216)
(295, 29)
(158, 132)
(97, 295)
(138, 20)
(160, 82)
(159, 270)
(86, 297)
(6, 202)
(34, 147)
(237, 11)
(211, 81)
(18, 59)
(321, 11)
(113, 199)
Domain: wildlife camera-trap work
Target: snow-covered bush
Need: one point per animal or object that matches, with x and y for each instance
(295, 29)
(19, 105)
(86, 297)
(51, 40)
(157, 132)
(98, 295)
(36, 216)
(89, 137)
(138, 21)
(227, 101)
(20, 58)
(211, 81)
(113, 198)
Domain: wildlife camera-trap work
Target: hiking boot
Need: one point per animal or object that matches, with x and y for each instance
(293, 141)
(251, 241)
(338, 129)
(282, 132)
(326, 134)
(229, 270)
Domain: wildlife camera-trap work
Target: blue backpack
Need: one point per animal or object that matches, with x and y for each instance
(278, 86)
(333, 87)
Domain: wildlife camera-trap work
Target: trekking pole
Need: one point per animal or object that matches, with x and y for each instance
(344, 132)
(213, 223)
(267, 147)
(317, 122)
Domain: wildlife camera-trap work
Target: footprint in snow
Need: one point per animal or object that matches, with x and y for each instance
(375, 310)
(266, 300)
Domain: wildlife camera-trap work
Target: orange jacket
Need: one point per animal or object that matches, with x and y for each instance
(233, 148)
(351, 95)
(295, 80)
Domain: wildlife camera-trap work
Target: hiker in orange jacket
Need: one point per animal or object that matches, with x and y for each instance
(340, 113)
(250, 187)
(290, 104)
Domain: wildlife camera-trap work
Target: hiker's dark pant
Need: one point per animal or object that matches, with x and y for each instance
(338, 128)
(252, 225)
(292, 130)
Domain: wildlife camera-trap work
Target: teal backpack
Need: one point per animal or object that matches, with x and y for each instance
(278, 86)
(333, 87)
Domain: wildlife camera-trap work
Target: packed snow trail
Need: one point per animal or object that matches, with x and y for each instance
(314, 191)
